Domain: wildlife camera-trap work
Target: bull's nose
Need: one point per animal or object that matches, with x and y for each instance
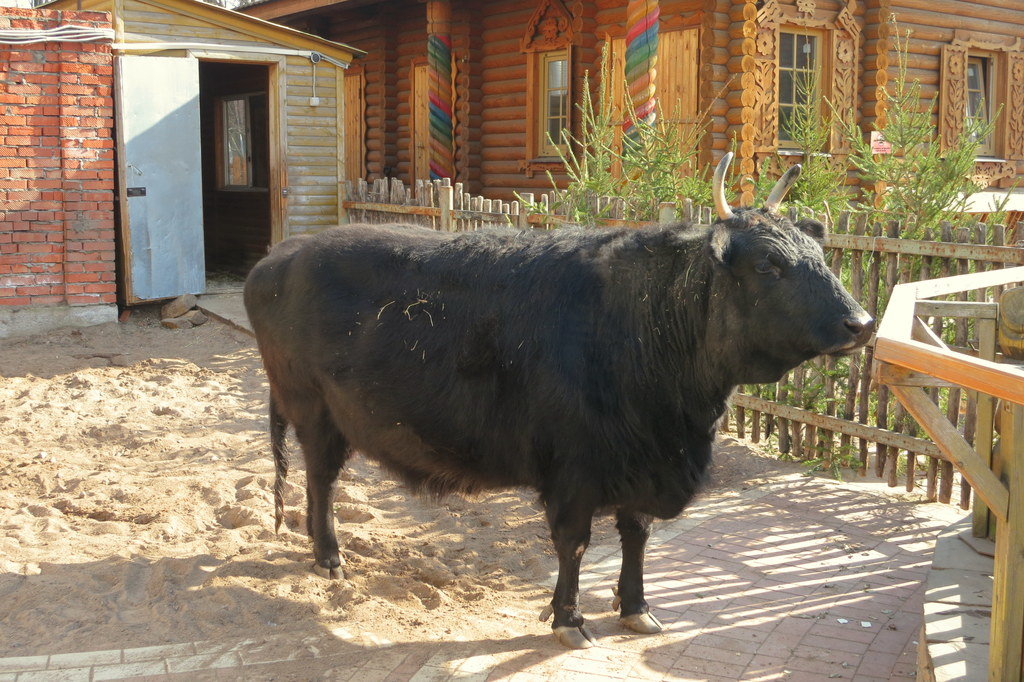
(860, 327)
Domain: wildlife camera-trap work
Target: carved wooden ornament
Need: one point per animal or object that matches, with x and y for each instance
(550, 27)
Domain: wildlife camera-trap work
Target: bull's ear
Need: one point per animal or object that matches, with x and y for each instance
(720, 243)
(813, 229)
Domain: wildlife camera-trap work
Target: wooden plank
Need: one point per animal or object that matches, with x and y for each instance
(864, 431)
(891, 374)
(999, 380)
(878, 244)
(956, 449)
(973, 309)
(980, 517)
(1007, 629)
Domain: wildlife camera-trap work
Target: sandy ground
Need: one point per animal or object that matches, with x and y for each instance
(135, 510)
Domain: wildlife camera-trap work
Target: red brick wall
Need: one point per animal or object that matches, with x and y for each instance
(56, 165)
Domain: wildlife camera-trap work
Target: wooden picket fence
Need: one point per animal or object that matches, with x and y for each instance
(827, 411)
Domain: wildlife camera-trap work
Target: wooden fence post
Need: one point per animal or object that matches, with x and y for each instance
(666, 213)
(1007, 648)
(526, 201)
(445, 199)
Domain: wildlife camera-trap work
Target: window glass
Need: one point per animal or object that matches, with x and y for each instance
(554, 102)
(979, 95)
(799, 57)
(236, 142)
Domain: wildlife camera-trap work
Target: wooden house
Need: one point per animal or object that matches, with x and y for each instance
(477, 85)
(229, 138)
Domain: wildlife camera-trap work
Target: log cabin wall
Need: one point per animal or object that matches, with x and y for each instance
(949, 39)
(368, 27)
(736, 62)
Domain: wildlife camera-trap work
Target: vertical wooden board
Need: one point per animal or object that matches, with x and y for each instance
(354, 132)
(420, 133)
(1006, 652)
(676, 79)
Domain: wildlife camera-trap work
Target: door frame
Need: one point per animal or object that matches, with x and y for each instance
(277, 176)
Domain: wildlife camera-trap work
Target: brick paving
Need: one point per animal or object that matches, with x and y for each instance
(794, 579)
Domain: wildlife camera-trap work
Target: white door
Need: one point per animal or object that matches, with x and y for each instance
(160, 177)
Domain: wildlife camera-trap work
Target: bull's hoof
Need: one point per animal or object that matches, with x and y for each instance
(546, 612)
(644, 623)
(328, 573)
(574, 638)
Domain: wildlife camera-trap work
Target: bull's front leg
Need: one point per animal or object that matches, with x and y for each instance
(570, 532)
(634, 530)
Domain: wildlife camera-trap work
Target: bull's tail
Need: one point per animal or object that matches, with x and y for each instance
(278, 428)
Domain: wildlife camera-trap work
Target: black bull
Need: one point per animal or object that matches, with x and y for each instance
(591, 366)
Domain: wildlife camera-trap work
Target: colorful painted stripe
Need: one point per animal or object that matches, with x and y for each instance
(439, 59)
(641, 60)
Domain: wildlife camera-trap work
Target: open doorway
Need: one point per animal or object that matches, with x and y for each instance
(235, 133)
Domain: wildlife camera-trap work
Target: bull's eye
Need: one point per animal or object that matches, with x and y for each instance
(766, 267)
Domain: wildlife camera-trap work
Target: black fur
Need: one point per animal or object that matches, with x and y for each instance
(591, 366)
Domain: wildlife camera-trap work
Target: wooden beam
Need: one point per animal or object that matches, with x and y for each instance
(829, 423)
(283, 8)
(924, 334)
(957, 450)
(1000, 380)
(860, 242)
(981, 519)
(982, 310)
(901, 376)
(1007, 635)
(977, 280)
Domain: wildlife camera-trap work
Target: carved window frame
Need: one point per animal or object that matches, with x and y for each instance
(1007, 70)
(549, 33)
(841, 58)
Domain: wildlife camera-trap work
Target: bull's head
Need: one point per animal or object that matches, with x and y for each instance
(781, 296)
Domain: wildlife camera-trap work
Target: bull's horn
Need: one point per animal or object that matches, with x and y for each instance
(782, 188)
(718, 188)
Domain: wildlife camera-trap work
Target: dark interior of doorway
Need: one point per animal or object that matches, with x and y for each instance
(234, 122)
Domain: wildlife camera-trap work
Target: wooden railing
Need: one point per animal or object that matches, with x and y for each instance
(910, 358)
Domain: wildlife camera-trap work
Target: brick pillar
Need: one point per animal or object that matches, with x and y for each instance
(56, 166)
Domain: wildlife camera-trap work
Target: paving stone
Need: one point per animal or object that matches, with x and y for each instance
(61, 675)
(158, 652)
(954, 586)
(124, 670)
(182, 664)
(960, 661)
(21, 663)
(84, 659)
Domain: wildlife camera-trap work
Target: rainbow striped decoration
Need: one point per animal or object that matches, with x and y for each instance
(439, 59)
(641, 59)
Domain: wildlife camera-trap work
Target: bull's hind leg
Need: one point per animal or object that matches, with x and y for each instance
(570, 532)
(634, 530)
(325, 450)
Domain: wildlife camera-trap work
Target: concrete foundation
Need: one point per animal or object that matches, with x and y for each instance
(21, 321)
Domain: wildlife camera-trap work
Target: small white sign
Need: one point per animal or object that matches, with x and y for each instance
(879, 145)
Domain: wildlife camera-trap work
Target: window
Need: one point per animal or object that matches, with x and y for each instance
(552, 102)
(243, 141)
(799, 68)
(979, 96)
(547, 44)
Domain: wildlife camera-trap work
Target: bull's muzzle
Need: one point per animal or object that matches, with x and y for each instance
(859, 328)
